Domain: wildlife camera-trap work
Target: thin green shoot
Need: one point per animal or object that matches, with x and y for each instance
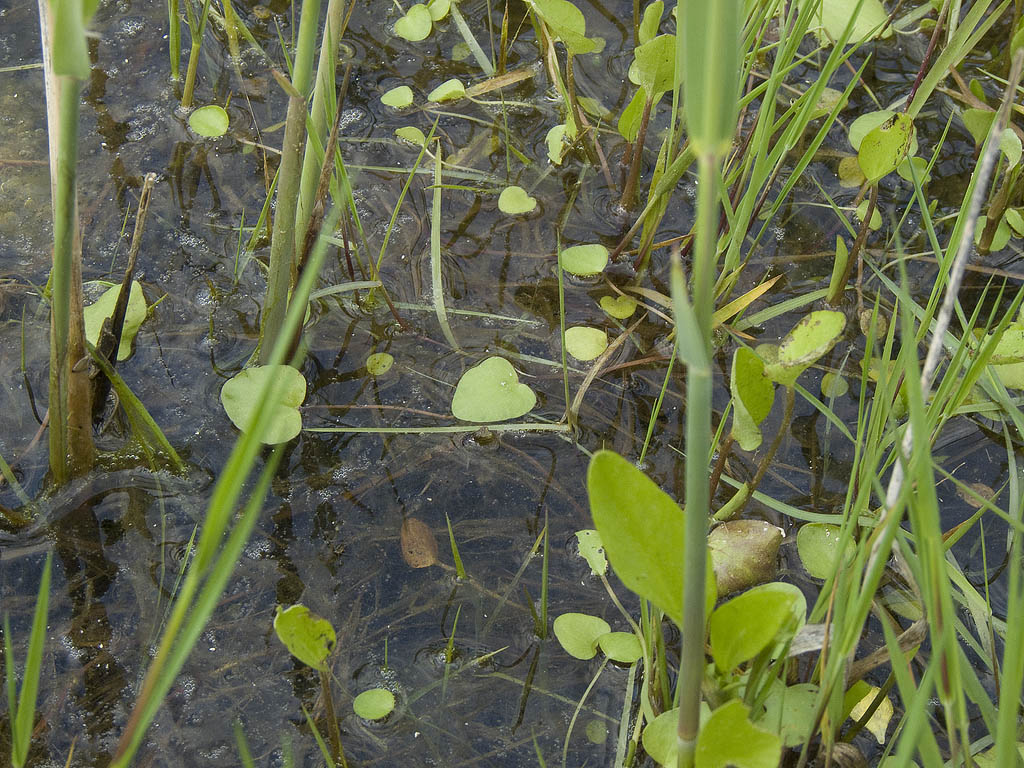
(460, 569)
(436, 280)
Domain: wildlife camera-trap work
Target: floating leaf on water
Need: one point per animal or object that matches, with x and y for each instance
(210, 121)
(622, 647)
(729, 738)
(789, 711)
(555, 141)
(578, 633)
(308, 637)
(827, 101)
(461, 52)
(412, 134)
(514, 200)
(415, 25)
(818, 547)
(594, 107)
(103, 308)
(832, 17)
(810, 338)
(438, 9)
(592, 550)
(760, 617)
(419, 547)
(619, 307)
(374, 704)
(885, 146)
(585, 343)
(833, 385)
(240, 398)
(584, 260)
(398, 98)
(864, 124)
(449, 90)
(752, 394)
(379, 363)
(491, 391)
(744, 553)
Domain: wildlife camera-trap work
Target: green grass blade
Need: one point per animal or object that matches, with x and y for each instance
(21, 722)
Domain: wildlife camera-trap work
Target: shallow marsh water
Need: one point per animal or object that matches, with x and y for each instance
(329, 535)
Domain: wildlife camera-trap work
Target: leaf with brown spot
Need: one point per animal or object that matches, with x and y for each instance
(419, 547)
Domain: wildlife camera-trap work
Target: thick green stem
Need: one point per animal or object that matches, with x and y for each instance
(698, 448)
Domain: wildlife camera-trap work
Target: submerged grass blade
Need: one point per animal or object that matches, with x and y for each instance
(436, 280)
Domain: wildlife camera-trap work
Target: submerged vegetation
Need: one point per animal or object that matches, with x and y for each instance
(528, 279)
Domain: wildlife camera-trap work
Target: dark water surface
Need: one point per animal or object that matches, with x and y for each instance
(329, 534)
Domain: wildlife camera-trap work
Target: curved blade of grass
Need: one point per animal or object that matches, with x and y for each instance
(436, 283)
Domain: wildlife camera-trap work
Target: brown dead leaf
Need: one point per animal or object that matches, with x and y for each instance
(419, 547)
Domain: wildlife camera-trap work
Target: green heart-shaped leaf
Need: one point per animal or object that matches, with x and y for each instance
(578, 633)
(744, 626)
(514, 200)
(584, 260)
(398, 98)
(211, 121)
(585, 343)
(374, 704)
(412, 134)
(491, 391)
(449, 90)
(566, 23)
(438, 9)
(654, 65)
(103, 308)
(619, 307)
(834, 15)
(240, 398)
(308, 637)
(729, 738)
(416, 23)
(622, 647)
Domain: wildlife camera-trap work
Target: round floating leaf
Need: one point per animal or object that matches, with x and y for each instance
(211, 121)
(379, 363)
(744, 553)
(920, 170)
(374, 704)
(308, 637)
(811, 338)
(744, 626)
(619, 307)
(834, 15)
(584, 260)
(622, 647)
(412, 134)
(461, 52)
(419, 547)
(398, 98)
(514, 200)
(415, 25)
(834, 385)
(752, 394)
(884, 147)
(240, 398)
(103, 308)
(729, 738)
(449, 90)
(585, 343)
(818, 547)
(592, 550)
(789, 711)
(438, 9)
(491, 391)
(578, 633)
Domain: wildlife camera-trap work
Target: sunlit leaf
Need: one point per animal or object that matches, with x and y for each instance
(884, 147)
(753, 394)
(449, 90)
(757, 619)
(577, 633)
(623, 647)
(240, 398)
(818, 547)
(308, 637)
(592, 550)
(211, 121)
(514, 200)
(398, 98)
(415, 25)
(374, 704)
(103, 308)
(585, 343)
(584, 260)
(491, 391)
(729, 738)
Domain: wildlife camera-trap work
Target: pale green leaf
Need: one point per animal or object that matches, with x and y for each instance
(728, 738)
(379, 363)
(578, 633)
(374, 704)
(584, 260)
(240, 398)
(449, 90)
(818, 547)
(308, 637)
(398, 97)
(619, 306)
(760, 617)
(415, 25)
(753, 394)
(514, 200)
(884, 147)
(491, 391)
(592, 550)
(622, 647)
(585, 343)
(210, 121)
(103, 308)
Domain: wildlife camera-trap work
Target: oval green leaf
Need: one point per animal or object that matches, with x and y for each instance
(729, 738)
(592, 550)
(578, 633)
(622, 647)
(103, 308)
(211, 121)
(585, 343)
(240, 398)
(884, 147)
(412, 134)
(374, 704)
(438, 9)
(744, 626)
(449, 90)
(660, 740)
(491, 391)
(584, 260)
(811, 338)
(415, 25)
(818, 547)
(753, 394)
(308, 637)
(398, 98)
(514, 200)
(379, 363)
